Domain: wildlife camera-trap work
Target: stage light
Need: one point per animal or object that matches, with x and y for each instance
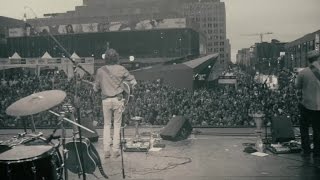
(131, 58)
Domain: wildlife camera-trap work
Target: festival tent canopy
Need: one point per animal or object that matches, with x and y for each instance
(74, 56)
(15, 56)
(46, 55)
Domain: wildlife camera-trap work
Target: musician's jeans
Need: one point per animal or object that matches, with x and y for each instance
(309, 117)
(112, 110)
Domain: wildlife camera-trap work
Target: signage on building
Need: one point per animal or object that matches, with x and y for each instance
(23, 61)
(15, 61)
(227, 80)
(99, 27)
(32, 61)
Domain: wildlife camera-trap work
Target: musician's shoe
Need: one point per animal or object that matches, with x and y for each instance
(107, 154)
(116, 154)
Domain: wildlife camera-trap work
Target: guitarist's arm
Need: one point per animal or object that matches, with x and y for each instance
(129, 78)
(96, 84)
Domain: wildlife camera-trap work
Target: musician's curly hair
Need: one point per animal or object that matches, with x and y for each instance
(111, 57)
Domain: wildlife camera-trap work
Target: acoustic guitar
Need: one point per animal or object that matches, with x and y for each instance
(124, 85)
(90, 157)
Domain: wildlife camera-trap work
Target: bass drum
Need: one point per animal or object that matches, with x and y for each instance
(37, 162)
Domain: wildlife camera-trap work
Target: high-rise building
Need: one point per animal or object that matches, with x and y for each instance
(211, 17)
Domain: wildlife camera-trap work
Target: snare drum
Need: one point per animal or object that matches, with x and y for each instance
(42, 162)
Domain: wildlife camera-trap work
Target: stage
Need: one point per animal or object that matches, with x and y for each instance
(210, 154)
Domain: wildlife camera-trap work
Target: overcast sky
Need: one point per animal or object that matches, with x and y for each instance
(287, 19)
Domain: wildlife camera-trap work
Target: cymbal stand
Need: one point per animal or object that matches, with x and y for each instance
(33, 126)
(63, 142)
(122, 141)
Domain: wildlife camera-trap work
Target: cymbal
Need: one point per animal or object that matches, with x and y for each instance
(36, 103)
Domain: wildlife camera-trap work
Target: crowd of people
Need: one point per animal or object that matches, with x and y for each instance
(157, 102)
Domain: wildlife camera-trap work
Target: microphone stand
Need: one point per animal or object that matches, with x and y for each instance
(76, 96)
(77, 107)
(63, 142)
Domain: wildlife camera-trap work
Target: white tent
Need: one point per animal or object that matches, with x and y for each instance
(46, 55)
(15, 56)
(74, 56)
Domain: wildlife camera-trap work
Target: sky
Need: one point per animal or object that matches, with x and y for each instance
(286, 19)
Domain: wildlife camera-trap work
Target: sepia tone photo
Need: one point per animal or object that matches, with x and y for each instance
(160, 89)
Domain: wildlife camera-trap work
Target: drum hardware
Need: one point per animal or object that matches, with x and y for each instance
(33, 162)
(36, 103)
(72, 122)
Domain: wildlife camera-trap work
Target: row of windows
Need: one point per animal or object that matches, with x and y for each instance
(306, 46)
(205, 19)
(210, 25)
(213, 31)
(215, 44)
(214, 37)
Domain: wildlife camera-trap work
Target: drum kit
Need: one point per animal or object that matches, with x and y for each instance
(33, 156)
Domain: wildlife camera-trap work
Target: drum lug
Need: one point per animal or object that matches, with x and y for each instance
(33, 168)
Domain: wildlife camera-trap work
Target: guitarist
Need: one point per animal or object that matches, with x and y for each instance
(109, 79)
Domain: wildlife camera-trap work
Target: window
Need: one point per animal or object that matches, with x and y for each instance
(216, 43)
(210, 44)
(222, 55)
(222, 43)
(221, 49)
(209, 31)
(209, 25)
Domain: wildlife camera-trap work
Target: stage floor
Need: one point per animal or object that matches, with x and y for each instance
(214, 154)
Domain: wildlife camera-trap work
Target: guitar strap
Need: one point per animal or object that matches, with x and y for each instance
(98, 161)
(116, 80)
(315, 71)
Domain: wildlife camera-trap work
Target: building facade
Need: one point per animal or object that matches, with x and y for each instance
(208, 15)
(264, 57)
(296, 51)
(6, 23)
(211, 17)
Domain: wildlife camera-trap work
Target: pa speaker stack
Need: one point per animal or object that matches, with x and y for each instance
(178, 128)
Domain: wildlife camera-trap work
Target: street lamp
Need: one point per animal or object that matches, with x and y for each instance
(180, 39)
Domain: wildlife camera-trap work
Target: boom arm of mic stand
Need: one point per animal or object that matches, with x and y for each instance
(74, 123)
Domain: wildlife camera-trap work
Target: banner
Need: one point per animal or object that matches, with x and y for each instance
(143, 24)
(93, 27)
(16, 32)
(227, 80)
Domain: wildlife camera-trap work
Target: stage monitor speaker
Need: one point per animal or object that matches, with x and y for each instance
(282, 130)
(178, 128)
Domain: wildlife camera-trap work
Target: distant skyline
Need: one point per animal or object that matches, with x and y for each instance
(287, 19)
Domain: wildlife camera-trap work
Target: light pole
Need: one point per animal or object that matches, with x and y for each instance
(180, 39)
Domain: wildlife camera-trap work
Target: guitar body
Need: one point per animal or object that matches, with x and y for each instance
(73, 161)
(89, 154)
